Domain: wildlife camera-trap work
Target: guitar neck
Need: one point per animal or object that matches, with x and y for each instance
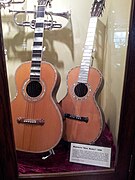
(38, 44)
(88, 50)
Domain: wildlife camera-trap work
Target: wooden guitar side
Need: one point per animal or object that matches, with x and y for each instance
(75, 130)
(35, 137)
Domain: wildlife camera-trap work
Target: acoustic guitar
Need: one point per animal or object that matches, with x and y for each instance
(37, 119)
(84, 120)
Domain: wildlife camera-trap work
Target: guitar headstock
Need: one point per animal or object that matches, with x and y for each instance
(44, 2)
(97, 8)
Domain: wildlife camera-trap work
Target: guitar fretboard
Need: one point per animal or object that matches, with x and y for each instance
(37, 44)
(87, 53)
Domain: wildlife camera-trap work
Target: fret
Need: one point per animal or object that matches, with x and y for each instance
(36, 59)
(88, 48)
(83, 77)
(86, 60)
(92, 25)
(87, 54)
(90, 38)
(86, 65)
(93, 20)
(34, 78)
(39, 30)
(35, 65)
(38, 55)
(37, 51)
(37, 43)
(89, 51)
(39, 25)
(90, 35)
(38, 39)
(40, 14)
(37, 47)
(38, 34)
(91, 30)
(89, 43)
(40, 8)
(82, 73)
(83, 63)
(40, 20)
(84, 70)
(35, 68)
(82, 80)
(35, 74)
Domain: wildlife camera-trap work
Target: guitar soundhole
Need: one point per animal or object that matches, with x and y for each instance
(81, 90)
(34, 89)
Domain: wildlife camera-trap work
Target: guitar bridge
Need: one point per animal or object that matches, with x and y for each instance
(78, 118)
(30, 121)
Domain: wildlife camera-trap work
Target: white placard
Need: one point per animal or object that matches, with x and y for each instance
(90, 155)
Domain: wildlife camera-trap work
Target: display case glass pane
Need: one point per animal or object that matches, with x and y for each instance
(64, 48)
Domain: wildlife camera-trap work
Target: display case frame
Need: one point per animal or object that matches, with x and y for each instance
(124, 166)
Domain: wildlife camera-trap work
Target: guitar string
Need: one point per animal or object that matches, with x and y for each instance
(26, 116)
(29, 114)
(31, 117)
(26, 111)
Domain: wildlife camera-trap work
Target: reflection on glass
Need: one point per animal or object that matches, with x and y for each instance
(119, 39)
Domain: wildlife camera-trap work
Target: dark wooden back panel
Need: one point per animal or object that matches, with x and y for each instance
(8, 165)
(127, 118)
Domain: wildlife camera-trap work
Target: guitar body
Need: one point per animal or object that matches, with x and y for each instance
(83, 118)
(37, 121)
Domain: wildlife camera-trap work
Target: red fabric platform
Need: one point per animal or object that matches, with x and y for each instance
(33, 163)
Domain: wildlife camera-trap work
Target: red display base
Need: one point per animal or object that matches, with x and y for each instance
(29, 163)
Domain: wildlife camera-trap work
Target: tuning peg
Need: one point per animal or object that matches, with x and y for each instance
(49, 2)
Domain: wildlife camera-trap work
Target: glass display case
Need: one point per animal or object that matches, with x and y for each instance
(66, 49)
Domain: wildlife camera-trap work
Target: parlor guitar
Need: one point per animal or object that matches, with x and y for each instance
(83, 117)
(37, 120)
